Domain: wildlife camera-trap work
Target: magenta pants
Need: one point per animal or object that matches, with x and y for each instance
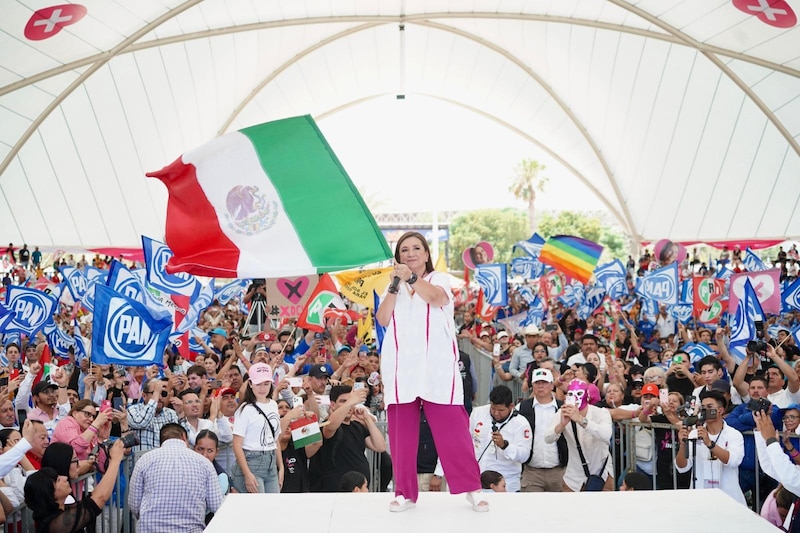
(450, 428)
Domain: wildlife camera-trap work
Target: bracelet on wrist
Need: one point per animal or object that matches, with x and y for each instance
(92, 429)
(771, 440)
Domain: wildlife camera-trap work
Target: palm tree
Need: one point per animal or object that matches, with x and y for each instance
(527, 180)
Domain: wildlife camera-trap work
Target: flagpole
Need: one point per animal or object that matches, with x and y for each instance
(435, 230)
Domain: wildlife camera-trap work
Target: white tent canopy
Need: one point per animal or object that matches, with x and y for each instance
(681, 116)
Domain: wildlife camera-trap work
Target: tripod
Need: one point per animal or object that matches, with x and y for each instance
(257, 314)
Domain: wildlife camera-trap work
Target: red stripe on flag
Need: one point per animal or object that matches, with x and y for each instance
(193, 232)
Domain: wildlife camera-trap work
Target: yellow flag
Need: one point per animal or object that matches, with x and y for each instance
(441, 264)
(357, 285)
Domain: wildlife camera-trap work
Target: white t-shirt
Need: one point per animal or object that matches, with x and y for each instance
(251, 425)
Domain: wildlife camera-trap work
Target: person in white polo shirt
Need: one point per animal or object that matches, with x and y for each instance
(544, 469)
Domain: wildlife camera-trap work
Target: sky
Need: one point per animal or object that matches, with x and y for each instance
(420, 154)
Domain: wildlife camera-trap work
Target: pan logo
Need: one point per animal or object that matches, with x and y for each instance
(177, 281)
(660, 287)
(128, 334)
(78, 282)
(31, 309)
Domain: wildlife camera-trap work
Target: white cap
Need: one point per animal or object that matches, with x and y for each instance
(575, 359)
(532, 330)
(501, 334)
(541, 374)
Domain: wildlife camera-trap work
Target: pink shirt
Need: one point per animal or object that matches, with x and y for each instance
(69, 432)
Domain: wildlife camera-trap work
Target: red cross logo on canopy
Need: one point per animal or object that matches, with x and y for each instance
(48, 21)
(776, 13)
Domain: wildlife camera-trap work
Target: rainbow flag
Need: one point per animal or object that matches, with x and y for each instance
(574, 256)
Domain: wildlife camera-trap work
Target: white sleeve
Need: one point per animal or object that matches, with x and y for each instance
(224, 432)
(22, 401)
(12, 457)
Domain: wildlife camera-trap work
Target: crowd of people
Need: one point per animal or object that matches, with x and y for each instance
(552, 424)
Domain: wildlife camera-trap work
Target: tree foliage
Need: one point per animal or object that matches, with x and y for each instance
(587, 226)
(500, 227)
(527, 180)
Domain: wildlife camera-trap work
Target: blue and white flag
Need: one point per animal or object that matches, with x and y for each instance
(32, 310)
(6, 316)
(724, 273)
(228, 292)
(697, 350)
(125, 333)
(568, 296)
(796, 335)
(156, 255)
(133, 285)
(532, 246)
(649, 311)
(195, 346)
(612, 277)
(493, 279)
(686, 292)
(753, 263)
(380, 331)
(743, 322)
(75, 280)
(660, 285)
(196, 307)
(790, 296)
(58, 341)
(527, 267)
(527, 294)
(591, 301)
(681, 312)
(535, 314)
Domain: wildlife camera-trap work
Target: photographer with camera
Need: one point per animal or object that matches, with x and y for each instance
(741, 419)
(778, 374)
(713, 449)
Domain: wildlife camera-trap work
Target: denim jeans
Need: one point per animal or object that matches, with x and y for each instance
(263, 467)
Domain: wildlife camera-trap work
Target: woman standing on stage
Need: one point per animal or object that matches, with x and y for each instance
(419, 368)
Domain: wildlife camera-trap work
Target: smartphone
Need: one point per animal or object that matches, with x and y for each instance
(323, 399)
(496, 349)
(663, 396)
(358, 385)
(551, 327)
(105, 405)
(295, 382)
(569, 400)
(116, 402)
(4, 381)
(297, 401)
(214, 384)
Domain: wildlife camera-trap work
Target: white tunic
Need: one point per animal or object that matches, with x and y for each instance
(419, 355)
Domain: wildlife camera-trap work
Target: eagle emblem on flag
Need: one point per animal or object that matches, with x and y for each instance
(249, 212)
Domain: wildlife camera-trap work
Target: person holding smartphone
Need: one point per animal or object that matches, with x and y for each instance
(419, 367)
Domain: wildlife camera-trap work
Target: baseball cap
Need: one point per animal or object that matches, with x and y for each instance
(259, 373)
(656, 347)
(319, 371)
(502, 334)
(345, 348)
(636, 383)
(219, 331)
(41, 386)
(226, 390)
(485, 333)
(576, 359)
(541, 374)
(651, 389)
(532, 330)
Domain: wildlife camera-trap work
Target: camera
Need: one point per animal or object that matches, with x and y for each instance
(761, 404)
(259, 282)
(706, 414)
(129, 440)
(686, 412)
(494, 427)
(758, 345)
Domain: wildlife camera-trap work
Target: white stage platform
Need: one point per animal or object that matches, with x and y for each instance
(668, 511)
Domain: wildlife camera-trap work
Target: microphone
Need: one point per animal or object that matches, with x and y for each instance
(395, 284)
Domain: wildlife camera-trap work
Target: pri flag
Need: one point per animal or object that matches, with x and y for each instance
(574, 256)
(125, 333)
(660, 285)
(493, 279)
(241, 197)
(323, 297)
(485, 311)
(766, 285)
(743, 322)
(708, 293)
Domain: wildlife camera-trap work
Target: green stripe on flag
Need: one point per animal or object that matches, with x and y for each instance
(566, 248)
(331, 219)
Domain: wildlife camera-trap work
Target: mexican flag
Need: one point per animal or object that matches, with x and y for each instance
(267, 201)
(305, 431)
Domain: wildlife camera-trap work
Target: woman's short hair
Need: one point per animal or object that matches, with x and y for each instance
(58, 456)
(654, 371)
(80, 405)
(423, 240)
